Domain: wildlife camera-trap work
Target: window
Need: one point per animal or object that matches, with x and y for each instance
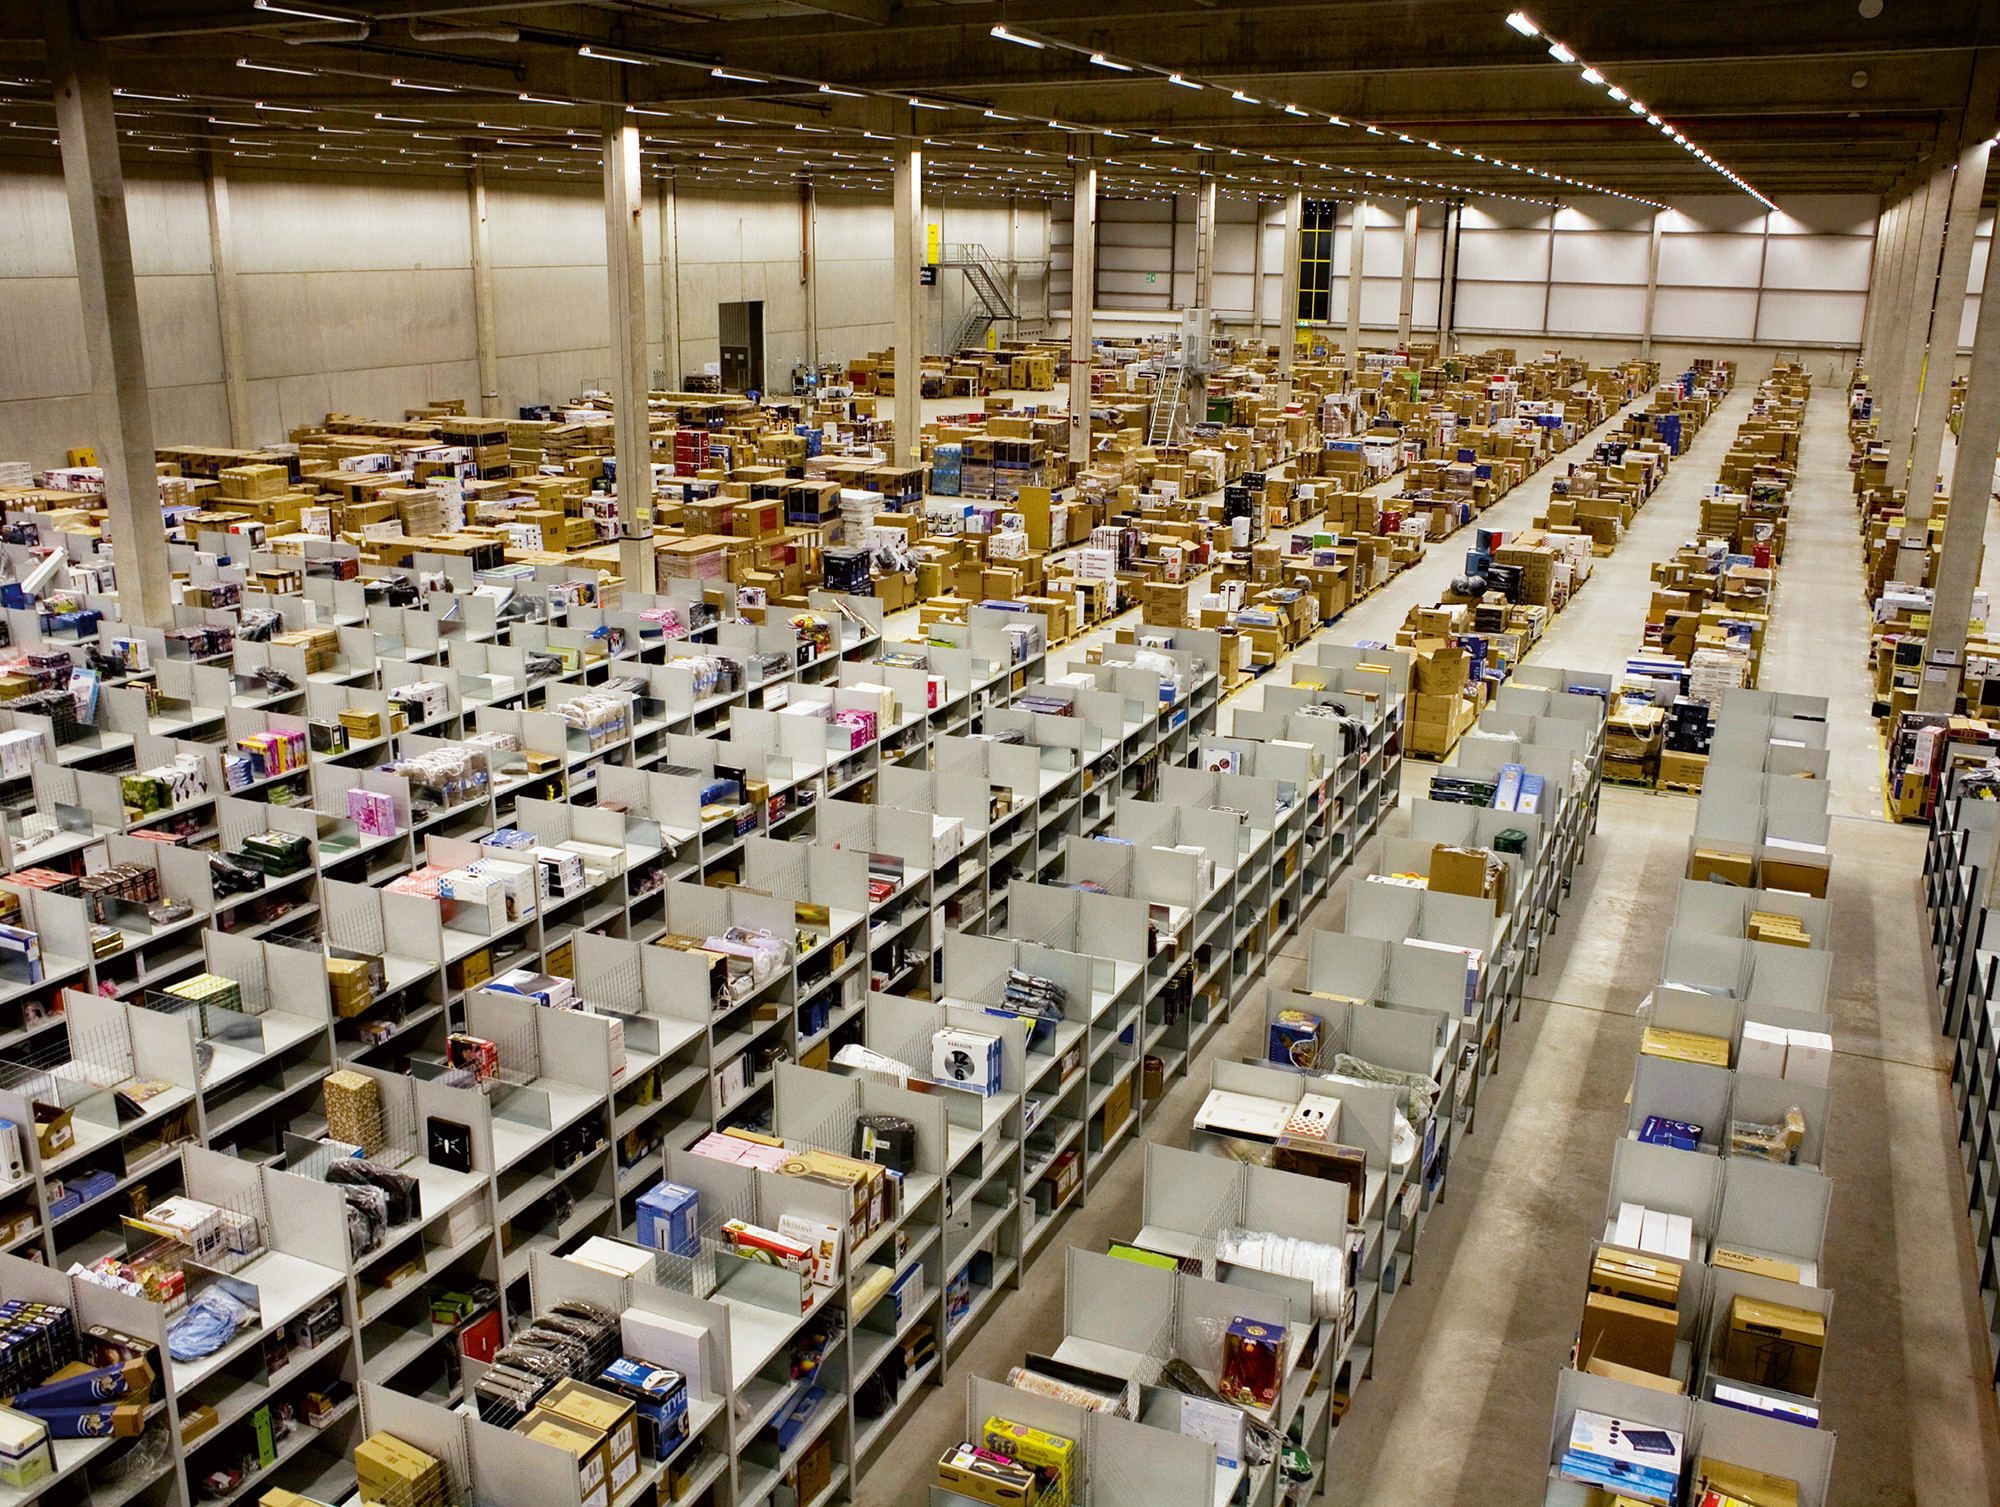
(1316, 261)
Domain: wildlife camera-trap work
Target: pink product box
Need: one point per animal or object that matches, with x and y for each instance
(373, 812)
(729, 1148)
(860, 726)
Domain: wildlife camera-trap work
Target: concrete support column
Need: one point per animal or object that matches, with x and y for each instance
(1204, 245)
(1257, 279)
(1288, 311)
(486, 343)
(1406, 309)
(809, 265)
(908, 299)
(1878, 270)
(1014, 265)
(1894, 320)
(228, 308)
(631, 382)
(1652, 288)
(1963, 545)
(121, 413)
(1082, 283)
(670, 279)
(1448, 277)
(1357, 250)
(1968, 185)
(1927, 244)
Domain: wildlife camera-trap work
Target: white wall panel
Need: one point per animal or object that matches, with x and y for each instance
(1597, 310)
(1821, 317)
(1500, 306)
(1705, 313)
(1812, 262)
(1608, 256)
(1696, 212)
(1710, 260)
(1826, 214)
(1504, 256)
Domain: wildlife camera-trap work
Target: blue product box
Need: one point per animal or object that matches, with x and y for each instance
(1679, 1134)
(668, 1216)
(794, 1422)
(1507, 793)
(1529, 801)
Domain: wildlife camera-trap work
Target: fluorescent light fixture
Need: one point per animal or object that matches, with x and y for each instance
(1592, 76)
(401, 120)
(1652, 120)
(403, 83)
(1175, 78)
(996, 115)
(1335, 120)
(273, 68)
(306, 11)
(540, 99)
(1562, 54)
(172, 99)
(1013, 36)
(1374, 130)
(614, 55)
(1617, 93)
(1520, 22)
(843, 93)
(283, 109)
(924, 104)
(1636, 108)
(1238, 94)
(1293, 110)
(741, 78)
(1104, 62)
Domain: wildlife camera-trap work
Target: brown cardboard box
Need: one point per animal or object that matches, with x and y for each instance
(999, 1483)
(1682, 768)
(1637, 1278)
(1469, 871)
(1729, 1260)
(1597, 1366)
(1640, 1335)
(1713, 864)
(1117, 1107)
(1774, 1345)
(591, 1447)
(1799, 878)
(1741, 1483)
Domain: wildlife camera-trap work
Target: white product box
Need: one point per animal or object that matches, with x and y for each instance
(1764, 1050)
(1221, 1424)
(1631, 1224)
(947, 839)
(1680, 1237)
(966, 1059)
(1808, 1057)
(1653, 1232)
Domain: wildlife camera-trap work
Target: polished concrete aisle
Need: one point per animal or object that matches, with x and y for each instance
(1459, 1408)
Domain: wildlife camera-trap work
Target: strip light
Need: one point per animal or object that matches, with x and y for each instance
(1525, 24)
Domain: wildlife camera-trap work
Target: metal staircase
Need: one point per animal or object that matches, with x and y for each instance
(988, 282)
(1182, 367)
(1165, 421)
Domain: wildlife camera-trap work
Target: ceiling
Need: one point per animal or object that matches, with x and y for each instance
(1394, 98)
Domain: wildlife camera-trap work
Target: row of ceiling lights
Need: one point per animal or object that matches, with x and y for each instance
(1526, 25)
(635, 58)
(1043, 43)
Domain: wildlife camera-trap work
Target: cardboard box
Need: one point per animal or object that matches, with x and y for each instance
(975, 1474)
(1640, 1335)
(1633, 1376)
(1714, 865)
(1753, 1488)
(1773, 1345)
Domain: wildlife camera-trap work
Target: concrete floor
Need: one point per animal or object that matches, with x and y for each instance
(1459, 1407)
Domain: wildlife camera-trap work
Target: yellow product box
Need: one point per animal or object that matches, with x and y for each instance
(1685, 1046)
(1050, 1456)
